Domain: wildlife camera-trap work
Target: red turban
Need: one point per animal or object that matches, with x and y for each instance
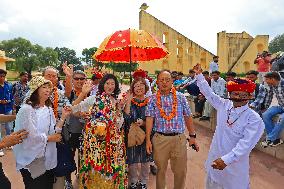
(241, 85)
(97, 75)
(139, 73)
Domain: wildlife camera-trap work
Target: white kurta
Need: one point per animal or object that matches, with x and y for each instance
(231, 143)
(40, 123)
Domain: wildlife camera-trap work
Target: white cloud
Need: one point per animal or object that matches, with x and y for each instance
(4, 27)
(85, 23)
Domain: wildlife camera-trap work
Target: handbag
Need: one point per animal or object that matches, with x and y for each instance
(37, 166)
(65, 161)
(136, 135)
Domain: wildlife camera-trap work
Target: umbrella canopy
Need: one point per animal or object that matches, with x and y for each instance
(130, 45)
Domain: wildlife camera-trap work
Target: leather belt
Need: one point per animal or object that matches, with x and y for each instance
(168, 134)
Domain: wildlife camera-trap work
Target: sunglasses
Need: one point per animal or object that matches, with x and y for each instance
(79, 78)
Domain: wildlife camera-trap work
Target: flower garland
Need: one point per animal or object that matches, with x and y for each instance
(174, 106)
(55, 102)
(141, 104)
(99, 148)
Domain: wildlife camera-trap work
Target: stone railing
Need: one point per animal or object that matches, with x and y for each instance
(277, 152)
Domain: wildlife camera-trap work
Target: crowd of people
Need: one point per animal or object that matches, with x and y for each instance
(119, 136)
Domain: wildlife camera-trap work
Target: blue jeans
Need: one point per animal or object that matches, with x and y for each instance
(273, 130)
(8, 126)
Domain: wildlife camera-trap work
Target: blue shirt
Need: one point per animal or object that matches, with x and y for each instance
(6, 94)
(175, 125)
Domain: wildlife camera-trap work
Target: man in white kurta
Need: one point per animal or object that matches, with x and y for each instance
(237, 132)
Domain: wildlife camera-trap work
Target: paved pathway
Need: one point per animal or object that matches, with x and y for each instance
(266, 172)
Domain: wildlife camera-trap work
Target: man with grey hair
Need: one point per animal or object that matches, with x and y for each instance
(59, 98)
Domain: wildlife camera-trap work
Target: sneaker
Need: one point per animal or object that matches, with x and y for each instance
(1, 153)
(133, 186)
(68, 185)
(276, 142)
(153, 169)
(143, 186)
(266, 143)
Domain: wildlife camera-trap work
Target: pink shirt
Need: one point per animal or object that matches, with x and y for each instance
(263, 66)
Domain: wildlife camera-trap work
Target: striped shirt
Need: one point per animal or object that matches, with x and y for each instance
(175, 125)
(279, 92)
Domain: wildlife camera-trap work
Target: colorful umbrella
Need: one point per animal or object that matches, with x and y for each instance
(130, 46)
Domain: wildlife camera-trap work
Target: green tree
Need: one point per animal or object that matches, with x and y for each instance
(28, 57)
(69, 55)
(88, 57)
(122, 67)
(277, 44)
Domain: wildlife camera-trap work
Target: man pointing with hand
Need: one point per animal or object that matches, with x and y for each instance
(238, 130)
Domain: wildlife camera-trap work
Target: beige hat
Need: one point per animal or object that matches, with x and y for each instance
(35, 83)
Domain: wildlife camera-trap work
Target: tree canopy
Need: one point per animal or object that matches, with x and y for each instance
(69, 55)
(277, 44)
(28, 56)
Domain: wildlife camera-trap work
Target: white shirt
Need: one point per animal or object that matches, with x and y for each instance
(213, 66)
(231, 143)
(39, 123)
(94, 90)
(149, 92)
(219, 86)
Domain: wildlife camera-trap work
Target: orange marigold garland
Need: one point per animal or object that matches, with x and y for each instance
(55, 102)
(174, 106)
(142, 104)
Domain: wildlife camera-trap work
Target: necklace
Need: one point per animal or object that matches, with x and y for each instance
(174, 106)
(55, 102)
(141, 104)
(228, 117)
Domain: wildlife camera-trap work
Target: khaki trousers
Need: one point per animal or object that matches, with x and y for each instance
(171, 148)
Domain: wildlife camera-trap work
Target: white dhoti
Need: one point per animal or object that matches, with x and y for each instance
(210, 184)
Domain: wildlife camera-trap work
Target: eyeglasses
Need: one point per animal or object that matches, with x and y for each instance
(79, 78)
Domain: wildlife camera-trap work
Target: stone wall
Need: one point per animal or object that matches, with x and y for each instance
(237, 51)
(184, 53)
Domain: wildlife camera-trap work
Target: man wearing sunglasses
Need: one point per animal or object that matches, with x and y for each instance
(238, 130)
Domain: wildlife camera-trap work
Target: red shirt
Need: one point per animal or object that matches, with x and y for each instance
(263, 66)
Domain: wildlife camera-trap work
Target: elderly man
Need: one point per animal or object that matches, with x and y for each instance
(168, 114)
(238, 130)
(8, 141)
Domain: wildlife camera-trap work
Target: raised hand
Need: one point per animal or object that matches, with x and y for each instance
(87, 87)
(197, 68)
(68, 70)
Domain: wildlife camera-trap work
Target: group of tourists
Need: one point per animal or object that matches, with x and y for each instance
(119, 135)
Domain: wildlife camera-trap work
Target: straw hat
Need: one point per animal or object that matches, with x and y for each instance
(35, 83)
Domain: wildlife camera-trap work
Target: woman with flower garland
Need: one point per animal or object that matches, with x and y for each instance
(134, 115)
(102, 162)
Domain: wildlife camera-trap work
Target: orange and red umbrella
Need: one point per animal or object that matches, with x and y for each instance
(130, 45)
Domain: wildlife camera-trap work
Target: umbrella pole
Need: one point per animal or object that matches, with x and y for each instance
(130, 60)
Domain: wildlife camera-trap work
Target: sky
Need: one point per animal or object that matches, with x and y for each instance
(85, 23)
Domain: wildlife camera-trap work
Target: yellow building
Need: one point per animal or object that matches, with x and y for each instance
(237, 51)
(4, 59)
(184, 53)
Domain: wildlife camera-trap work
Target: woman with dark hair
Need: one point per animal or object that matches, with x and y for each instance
(134, 116)
(37, 155)
(102, 162)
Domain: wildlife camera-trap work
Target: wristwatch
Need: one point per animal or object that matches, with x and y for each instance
(192, 136)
